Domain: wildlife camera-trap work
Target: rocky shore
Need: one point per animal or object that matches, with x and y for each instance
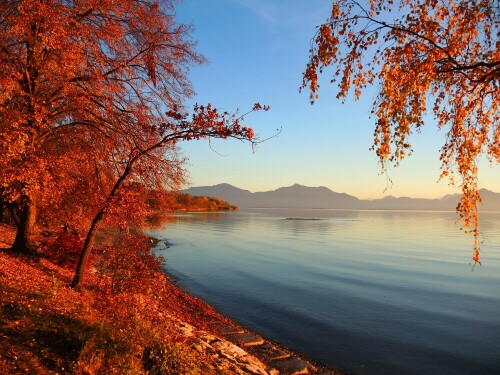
(239, 351)
(235, 349)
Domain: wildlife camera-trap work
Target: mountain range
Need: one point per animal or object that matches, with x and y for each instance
(299, 196)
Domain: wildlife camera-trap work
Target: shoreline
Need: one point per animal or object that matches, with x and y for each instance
(38, 307)
(277, 358)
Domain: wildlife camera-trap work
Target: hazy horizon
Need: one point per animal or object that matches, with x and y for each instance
(257, 51)
(387, 194)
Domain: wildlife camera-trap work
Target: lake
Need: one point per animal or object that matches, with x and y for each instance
(369, 292)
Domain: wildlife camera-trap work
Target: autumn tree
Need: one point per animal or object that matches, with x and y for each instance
(424, 56)
(152, 160)
(76, 77)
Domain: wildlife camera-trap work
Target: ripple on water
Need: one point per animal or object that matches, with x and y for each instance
(371, 292)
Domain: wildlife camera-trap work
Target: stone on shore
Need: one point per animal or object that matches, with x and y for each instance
(290, 366)
(245, 339)
(269, 352)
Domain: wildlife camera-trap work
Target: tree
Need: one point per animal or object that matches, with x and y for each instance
(425, 55)
(153, 159)
(83, 74)
(92, 95)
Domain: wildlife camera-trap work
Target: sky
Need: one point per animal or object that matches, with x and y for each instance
(256, 52)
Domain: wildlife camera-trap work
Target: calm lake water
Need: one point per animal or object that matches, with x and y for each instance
(370, 292)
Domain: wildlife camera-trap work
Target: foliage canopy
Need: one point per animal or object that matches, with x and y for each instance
(425, 56)
(91, 110)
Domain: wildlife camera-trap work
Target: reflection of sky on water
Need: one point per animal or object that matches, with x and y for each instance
(371, 291)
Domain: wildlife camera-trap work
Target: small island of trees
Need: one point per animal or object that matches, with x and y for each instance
(187, 202)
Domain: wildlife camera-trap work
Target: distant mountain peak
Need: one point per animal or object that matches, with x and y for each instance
(304, 187)
(301, 196)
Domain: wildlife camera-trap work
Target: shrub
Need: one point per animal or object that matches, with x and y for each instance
(65, 250)
(130, 267)
(169, 359)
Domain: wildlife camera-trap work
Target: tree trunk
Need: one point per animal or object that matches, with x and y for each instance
(24, 242)
(89, 240)
(14, 214)
(87, 249)
(3, 211)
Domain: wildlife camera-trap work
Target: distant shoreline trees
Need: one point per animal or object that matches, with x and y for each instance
(187, 202)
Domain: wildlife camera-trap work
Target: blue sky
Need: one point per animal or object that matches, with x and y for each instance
(257, 50)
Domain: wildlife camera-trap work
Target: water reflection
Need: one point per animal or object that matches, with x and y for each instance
(369, 291)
